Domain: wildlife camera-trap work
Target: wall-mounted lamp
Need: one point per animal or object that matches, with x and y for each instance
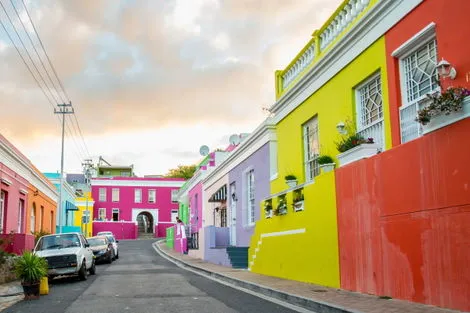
(341, 128)
(445, 69)
(234, 197)
(36, 192)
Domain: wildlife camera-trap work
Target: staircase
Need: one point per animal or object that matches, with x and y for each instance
(238, 256)
(146, 236)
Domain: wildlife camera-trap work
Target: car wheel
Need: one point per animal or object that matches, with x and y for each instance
(82, 273)
(110, 258)
(93, 268)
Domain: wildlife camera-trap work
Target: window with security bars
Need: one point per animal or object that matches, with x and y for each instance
(250, 188)
(369, 107)
(311, 148)
(419, 78)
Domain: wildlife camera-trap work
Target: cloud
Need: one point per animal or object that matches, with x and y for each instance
(146, 65)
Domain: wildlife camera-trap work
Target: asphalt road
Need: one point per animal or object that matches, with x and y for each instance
(143, 281)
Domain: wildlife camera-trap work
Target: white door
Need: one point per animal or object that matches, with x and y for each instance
(233, 215)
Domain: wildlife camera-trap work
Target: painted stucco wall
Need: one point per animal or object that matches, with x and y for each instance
(121, 230)
(67, 196)
(38, 200)
(403, 223)
(12, 199)
(258, 162)
(195, 202)
(126, 203)
(84, 203)
(452, 45)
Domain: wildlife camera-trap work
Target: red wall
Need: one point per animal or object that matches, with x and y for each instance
(404, 220)
(17, 243)
(453, 44)
(121, 230)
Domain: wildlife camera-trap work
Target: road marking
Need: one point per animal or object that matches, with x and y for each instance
(270, 299)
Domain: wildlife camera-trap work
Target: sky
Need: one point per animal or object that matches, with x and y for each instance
(150, 80)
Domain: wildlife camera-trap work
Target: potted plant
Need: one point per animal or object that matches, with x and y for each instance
(327, 164)
(298, 202)
(291, 180)
(268, 209)
(30, 268)
(281, 206)
(444, 108)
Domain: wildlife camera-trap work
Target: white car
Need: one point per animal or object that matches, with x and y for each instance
(114, 242)
(105, 233)
(66, 254)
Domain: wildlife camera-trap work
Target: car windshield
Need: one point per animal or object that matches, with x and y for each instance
(110, 238)
(96, 242)
(58, 242)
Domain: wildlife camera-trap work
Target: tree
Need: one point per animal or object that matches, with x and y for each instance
(182, 171)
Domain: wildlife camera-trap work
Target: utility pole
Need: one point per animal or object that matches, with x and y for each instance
(87, 165)
(65, 108)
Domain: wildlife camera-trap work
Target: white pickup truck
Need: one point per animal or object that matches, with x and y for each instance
(66, 254)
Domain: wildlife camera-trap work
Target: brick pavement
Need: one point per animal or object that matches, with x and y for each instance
(314, 296)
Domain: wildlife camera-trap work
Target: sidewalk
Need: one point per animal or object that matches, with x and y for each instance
(314, 297)
(10, 293)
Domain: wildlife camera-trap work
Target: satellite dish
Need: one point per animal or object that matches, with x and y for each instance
(234, 139)
(204, 150)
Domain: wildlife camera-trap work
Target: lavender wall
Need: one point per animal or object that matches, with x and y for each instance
(195, 196)
(259, 162)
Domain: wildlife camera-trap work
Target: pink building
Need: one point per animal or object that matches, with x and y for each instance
(134, 206)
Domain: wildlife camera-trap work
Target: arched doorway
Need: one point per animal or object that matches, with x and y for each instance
(145, 223)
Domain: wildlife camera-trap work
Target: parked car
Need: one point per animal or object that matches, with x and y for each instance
(66, 254)
(102, 249)
(105, 233)
(114, 242)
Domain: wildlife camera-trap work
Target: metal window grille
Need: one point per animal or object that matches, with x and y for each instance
(419, 75)
(370, 111)
(311, 148)
(251, 196)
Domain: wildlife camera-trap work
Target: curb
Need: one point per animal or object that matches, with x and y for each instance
(315, 305)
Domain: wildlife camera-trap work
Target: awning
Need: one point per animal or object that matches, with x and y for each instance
(69, 206)
(220, 195)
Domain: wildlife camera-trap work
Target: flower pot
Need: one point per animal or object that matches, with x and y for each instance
(282, 211)
(299, 206)
(325, 168)
(268, 214)
(443, 120)
(360, 152)
(291, 183)
(31, 290)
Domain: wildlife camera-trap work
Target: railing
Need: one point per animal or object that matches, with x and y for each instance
(347, 13)
(376, 132)
(193, 242)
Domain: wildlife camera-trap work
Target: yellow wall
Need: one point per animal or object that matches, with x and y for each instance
(81, 204)
(313, 256)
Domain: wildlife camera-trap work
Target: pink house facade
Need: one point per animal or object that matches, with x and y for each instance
(134, 206)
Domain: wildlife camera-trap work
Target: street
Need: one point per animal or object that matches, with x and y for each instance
(143, 281)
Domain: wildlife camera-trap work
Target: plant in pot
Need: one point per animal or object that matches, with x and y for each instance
(298, 201)
(281, 206)
(268, 208)
(291, 180)
(30, 268)
(327, 164)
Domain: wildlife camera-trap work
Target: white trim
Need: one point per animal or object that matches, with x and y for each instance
(263, 134)
(67, 187)
(25, 169)
(82, 203)
(372, 26)
(23, 191)
(167, 222)
(6, 181)
(135, 183)
(153, 212)
(418, 39)
(284, 233)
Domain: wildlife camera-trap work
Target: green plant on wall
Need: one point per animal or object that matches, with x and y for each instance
(350, 139)
(30, 268)
(325, 159)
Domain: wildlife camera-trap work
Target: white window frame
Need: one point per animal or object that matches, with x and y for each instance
(115, 195)
(3, 197)
(370, 129)
(102, 214)
(174, 214)
(250, 197)
(174, 193)
(102, 194)
(152, 196)
(21, 211)
(33, 219)
(138, 195)
(418, 41)
(115, 210)
(310, 173)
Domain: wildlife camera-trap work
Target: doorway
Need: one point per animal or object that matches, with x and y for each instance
(145, 223)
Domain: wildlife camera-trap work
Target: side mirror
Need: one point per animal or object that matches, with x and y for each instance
(87, 245)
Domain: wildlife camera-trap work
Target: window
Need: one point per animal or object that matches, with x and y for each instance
(102, 194)
(250, 188)
(115, 197)
(137, 195)
(311, 148)
(33, 218)
(116, 215)
(152, 196)
(21, 216)
(174, 214)
(369, 109)
(3, 198)
(102, 214)
(418, 78)
(41, 216)
(223, 217)
(196, 208)
(174, 194)
(52, 222)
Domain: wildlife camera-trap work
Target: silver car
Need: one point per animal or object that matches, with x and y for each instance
(66, 254)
